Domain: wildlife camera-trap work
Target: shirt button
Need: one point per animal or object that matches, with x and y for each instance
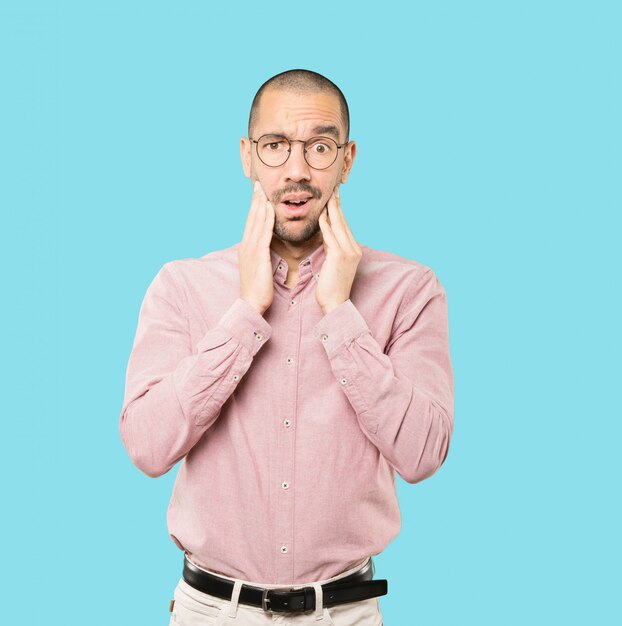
(292, 302)
(324, 338)
(344, 381)
(285, 485)
(284, 549)
(317, 275)
(287, 423)
(235, 377)
(280, 267)
(258, 337)
(290, 360)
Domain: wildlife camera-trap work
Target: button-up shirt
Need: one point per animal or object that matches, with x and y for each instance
(291, 424)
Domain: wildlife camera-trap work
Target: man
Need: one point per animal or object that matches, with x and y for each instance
(294, 373)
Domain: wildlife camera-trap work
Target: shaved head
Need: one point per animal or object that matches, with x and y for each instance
(300, 82)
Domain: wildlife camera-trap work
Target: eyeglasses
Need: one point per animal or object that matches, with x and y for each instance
(319, 152)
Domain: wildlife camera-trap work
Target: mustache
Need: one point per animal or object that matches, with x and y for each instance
(302, 187)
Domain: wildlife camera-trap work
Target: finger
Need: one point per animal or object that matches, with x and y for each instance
(342, 220)
(327, 231)
(252, 212)
(261, 207)
(256, 215)
(268, 228)
(337, 224)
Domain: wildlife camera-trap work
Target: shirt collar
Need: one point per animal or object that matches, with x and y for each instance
(311, 263)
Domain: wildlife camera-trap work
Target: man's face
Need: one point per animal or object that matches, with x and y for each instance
(297, 116)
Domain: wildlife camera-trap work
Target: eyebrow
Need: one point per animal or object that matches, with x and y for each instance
(328, 129)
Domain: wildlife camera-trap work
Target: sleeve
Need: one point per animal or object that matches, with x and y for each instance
(173, 393)
(403, 397)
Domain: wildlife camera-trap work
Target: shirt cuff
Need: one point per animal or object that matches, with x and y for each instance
(339, 326)
(242, 322)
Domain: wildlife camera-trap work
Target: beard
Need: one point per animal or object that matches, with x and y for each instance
(284, 233)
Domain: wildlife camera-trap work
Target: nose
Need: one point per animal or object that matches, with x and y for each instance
(296, 166)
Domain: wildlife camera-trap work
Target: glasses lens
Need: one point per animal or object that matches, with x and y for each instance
(321, 152)
(273, 150)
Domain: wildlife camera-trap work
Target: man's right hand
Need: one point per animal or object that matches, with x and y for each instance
(256, 280)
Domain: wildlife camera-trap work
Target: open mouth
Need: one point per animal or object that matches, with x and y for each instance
(296, 206)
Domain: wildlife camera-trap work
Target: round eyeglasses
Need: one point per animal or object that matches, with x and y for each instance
(319, 152)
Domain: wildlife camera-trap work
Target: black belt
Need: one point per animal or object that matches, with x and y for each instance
(357, 586)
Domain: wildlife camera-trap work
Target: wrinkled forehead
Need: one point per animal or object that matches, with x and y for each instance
(289, 113)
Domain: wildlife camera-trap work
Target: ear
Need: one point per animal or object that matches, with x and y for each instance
(245, 155)
(350, 153)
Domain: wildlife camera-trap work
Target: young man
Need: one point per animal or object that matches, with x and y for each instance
(294, 373)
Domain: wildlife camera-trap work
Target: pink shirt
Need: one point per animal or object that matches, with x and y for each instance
(290, 425)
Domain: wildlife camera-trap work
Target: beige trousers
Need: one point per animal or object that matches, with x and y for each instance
(195, 608)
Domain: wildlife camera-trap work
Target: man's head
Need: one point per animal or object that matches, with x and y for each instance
(297, 105)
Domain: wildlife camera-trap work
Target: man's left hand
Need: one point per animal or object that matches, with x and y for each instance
(342, 256)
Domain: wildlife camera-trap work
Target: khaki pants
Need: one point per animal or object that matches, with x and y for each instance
(195, 608)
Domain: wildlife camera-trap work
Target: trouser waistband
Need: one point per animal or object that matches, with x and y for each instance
(350, 586)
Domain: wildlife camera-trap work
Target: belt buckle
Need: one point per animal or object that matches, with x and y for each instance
(265, 600)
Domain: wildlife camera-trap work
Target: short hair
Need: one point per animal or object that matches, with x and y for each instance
(300, 82)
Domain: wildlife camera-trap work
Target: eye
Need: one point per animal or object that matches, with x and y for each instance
(321, 147)
(273, 143)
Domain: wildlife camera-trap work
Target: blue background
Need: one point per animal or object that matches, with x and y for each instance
(489, 148)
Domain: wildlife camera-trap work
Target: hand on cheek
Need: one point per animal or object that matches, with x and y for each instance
(342, 256)
(256, 279)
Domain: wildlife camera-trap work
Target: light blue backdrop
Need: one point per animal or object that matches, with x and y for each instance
(488, 148)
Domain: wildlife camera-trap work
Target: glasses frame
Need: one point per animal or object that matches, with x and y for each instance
(304, 149)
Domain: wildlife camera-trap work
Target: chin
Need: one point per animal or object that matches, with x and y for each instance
(298, 234)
